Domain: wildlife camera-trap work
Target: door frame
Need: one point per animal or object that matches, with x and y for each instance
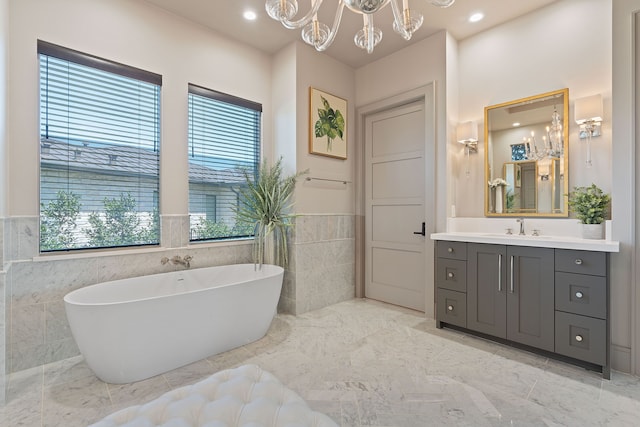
(427, 95)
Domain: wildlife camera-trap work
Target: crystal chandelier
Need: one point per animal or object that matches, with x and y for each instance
(552, 142)
(319, 35)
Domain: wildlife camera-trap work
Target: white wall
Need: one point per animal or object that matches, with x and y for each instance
(285, 108)
(564, 45)
(4, 55)
(321, 72)
(136, 34)
(4, 65)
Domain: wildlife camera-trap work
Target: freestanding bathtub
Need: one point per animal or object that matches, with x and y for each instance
(132, 329)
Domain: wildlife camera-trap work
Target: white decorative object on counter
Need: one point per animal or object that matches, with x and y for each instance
(593, 231)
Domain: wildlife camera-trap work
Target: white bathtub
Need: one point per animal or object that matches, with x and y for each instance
(132, 329)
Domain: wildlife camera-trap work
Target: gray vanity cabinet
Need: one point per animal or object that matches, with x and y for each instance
(451, 282)
(530, 296)
(550, 299)
(510, 293)
(486, 297)
(581, 300)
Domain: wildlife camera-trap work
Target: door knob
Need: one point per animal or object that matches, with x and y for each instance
(423, 232)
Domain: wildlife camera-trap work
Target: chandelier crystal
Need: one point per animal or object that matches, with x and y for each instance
(319, 35)
(552, 142)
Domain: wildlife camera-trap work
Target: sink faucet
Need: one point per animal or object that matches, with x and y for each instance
(521, 221)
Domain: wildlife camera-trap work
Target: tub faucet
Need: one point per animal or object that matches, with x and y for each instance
(521, 221)
(177, 260)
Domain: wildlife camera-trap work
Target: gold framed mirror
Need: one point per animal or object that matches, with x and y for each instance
(527, 156)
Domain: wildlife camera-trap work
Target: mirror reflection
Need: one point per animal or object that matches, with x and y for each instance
(526, 156)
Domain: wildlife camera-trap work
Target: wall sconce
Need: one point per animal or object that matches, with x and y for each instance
(544, 168)
(467, 134)
(588, 114)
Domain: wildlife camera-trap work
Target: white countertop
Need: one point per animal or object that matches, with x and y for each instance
(558, 242)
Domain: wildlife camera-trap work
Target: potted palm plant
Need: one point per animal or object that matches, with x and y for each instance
(590, 204)
(266, 204)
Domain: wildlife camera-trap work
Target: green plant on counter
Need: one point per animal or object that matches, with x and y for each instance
(590, 204)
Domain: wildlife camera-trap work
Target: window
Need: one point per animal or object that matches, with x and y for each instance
(99, 152)
(224, 144)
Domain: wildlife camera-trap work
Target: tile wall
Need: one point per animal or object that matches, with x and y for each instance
(36, 330)
(321, 269)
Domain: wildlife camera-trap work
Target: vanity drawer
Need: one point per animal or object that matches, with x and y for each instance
(451, 274)
(452, 307)
(451, 250)
(581, 294)
(581, 337)
(581, 262)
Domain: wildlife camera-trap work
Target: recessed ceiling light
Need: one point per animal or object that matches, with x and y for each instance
(516, 124)
(249, 15)
(476, 17)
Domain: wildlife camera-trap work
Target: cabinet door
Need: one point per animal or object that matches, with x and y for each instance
(530, 296)
(486, 293)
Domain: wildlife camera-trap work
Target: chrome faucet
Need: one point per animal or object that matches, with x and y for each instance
(521, 221)
(178, 260)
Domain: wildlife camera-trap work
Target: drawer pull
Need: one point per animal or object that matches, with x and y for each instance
(449, 308)
(450, 275)
(511, 289)
(499, 272)
(579, 295)
(450, 250)
(579, 338)
(578, 261)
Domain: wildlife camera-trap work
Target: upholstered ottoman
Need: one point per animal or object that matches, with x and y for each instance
(244, 396)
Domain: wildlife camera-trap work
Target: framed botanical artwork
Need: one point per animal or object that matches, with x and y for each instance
(327, 124)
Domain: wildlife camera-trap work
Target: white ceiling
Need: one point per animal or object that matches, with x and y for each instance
(225, 17)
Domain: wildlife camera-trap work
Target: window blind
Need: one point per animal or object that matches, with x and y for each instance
(99, 152)
(224, 142)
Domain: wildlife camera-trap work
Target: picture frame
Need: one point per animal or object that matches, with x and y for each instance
(327, 124)
(518, 179)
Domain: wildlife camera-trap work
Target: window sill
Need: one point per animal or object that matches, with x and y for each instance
(99, 253)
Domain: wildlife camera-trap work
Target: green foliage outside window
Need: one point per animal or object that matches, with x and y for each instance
(59, 221)
(207, 229)
(118, 225)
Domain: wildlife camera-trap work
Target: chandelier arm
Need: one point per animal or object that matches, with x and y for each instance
(291, 25)
(334, 28)
(398, 16)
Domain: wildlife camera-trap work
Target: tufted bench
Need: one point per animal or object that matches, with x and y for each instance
(245, 396)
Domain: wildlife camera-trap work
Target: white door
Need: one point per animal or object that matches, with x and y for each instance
(395, 262)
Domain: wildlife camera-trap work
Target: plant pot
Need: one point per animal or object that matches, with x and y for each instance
(270, 244)
(593, 231)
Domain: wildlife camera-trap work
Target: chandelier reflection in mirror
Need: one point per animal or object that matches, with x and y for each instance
(552, 142)
(319, 35)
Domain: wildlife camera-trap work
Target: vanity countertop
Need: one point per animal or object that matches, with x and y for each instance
(558, 242)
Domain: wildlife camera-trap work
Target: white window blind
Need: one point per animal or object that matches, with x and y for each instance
(99, 152)
(224, 141)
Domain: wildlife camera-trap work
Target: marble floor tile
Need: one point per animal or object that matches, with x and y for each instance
(363, 363)
(139, 392)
